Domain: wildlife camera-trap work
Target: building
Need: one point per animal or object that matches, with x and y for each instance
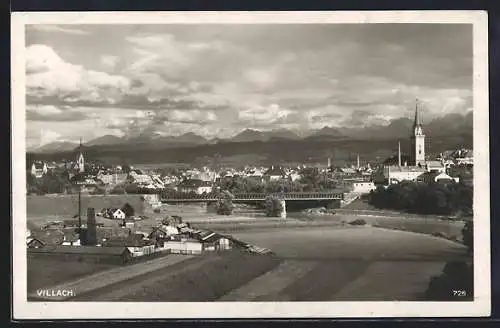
(437, 177)
(113, 213)
(416, 164)
(135, 243)
(39, 169)
(183, 246)
(417, 141)
(274, 174)
(80, 160)
(363, 187)
(32, 242)
(195, 186)
(95, 254)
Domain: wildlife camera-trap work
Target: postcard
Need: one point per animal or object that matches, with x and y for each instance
(250, 165)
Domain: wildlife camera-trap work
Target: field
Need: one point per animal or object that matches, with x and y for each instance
(67, 205)
(205, 278)
(309, 264)
(45, 273)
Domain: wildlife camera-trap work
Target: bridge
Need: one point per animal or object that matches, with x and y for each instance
(250, 197)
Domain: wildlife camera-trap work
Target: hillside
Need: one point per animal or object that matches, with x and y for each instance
(274, 151)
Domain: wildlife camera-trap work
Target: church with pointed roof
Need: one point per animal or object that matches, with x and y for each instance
(80, 160)
(416, 163)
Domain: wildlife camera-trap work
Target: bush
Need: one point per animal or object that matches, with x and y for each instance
(358, 222)
(157, 210)
(468, 235)
(456, 276)
(273, 206)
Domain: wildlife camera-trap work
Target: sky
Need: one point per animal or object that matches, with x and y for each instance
(86, 81)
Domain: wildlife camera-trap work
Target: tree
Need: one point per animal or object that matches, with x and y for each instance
(224, 204)
(273, 206)
(468, 235)
(128, 210)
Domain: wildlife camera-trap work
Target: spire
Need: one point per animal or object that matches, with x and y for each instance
(417, 116)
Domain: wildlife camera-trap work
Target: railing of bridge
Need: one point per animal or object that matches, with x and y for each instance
(254, 196)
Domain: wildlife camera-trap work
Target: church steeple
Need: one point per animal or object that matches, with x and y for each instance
(79, 159)
(417, 123)
(417, 139)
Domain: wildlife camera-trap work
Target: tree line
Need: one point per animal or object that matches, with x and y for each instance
(422, 198)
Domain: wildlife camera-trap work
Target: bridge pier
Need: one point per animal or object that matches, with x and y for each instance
(283, 210)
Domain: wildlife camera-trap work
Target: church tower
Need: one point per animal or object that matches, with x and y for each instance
(417, 141)
(80, 161)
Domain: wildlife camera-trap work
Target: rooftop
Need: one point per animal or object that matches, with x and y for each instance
(81, 250)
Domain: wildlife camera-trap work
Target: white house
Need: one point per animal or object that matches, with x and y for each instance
(184, 246)
(363, 187)
(117, 214)
(194, 185)
(38, 169)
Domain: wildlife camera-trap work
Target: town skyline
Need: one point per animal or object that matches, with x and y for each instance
(216, 81)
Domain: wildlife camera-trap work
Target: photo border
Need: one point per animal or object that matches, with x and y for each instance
(481, 306)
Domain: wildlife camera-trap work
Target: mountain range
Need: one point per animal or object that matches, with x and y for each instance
(443, 132)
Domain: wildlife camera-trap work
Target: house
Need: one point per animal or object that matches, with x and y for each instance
(163, 231)
(213, 241)
(49, 237)
(397, 174)
(135, 243)
(71, 239)
(274, 174)
(113, 213)
(32, 242)
(183, 246)
(195, 186)
(363, 187)
(435, 166)
(38, 169)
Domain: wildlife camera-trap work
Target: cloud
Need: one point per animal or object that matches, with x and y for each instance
(51, 113)
(50, 76)
(59, 29)
(215, 80)
(109, 61)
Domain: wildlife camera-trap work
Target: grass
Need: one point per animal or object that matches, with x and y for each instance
(45, 273)
(67, 205)
(205, 278)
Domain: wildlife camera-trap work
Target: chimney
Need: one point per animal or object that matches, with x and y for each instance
(91, 227)
(329, 162)
(399, 153)
(357, 163)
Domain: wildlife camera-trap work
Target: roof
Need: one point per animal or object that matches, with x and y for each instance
(81, 250)
(434, 163)
(194, 183)
(38, 165)
(134, 240)
(275, 171)
(212, 238)
(112, 232)
(49, 237)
